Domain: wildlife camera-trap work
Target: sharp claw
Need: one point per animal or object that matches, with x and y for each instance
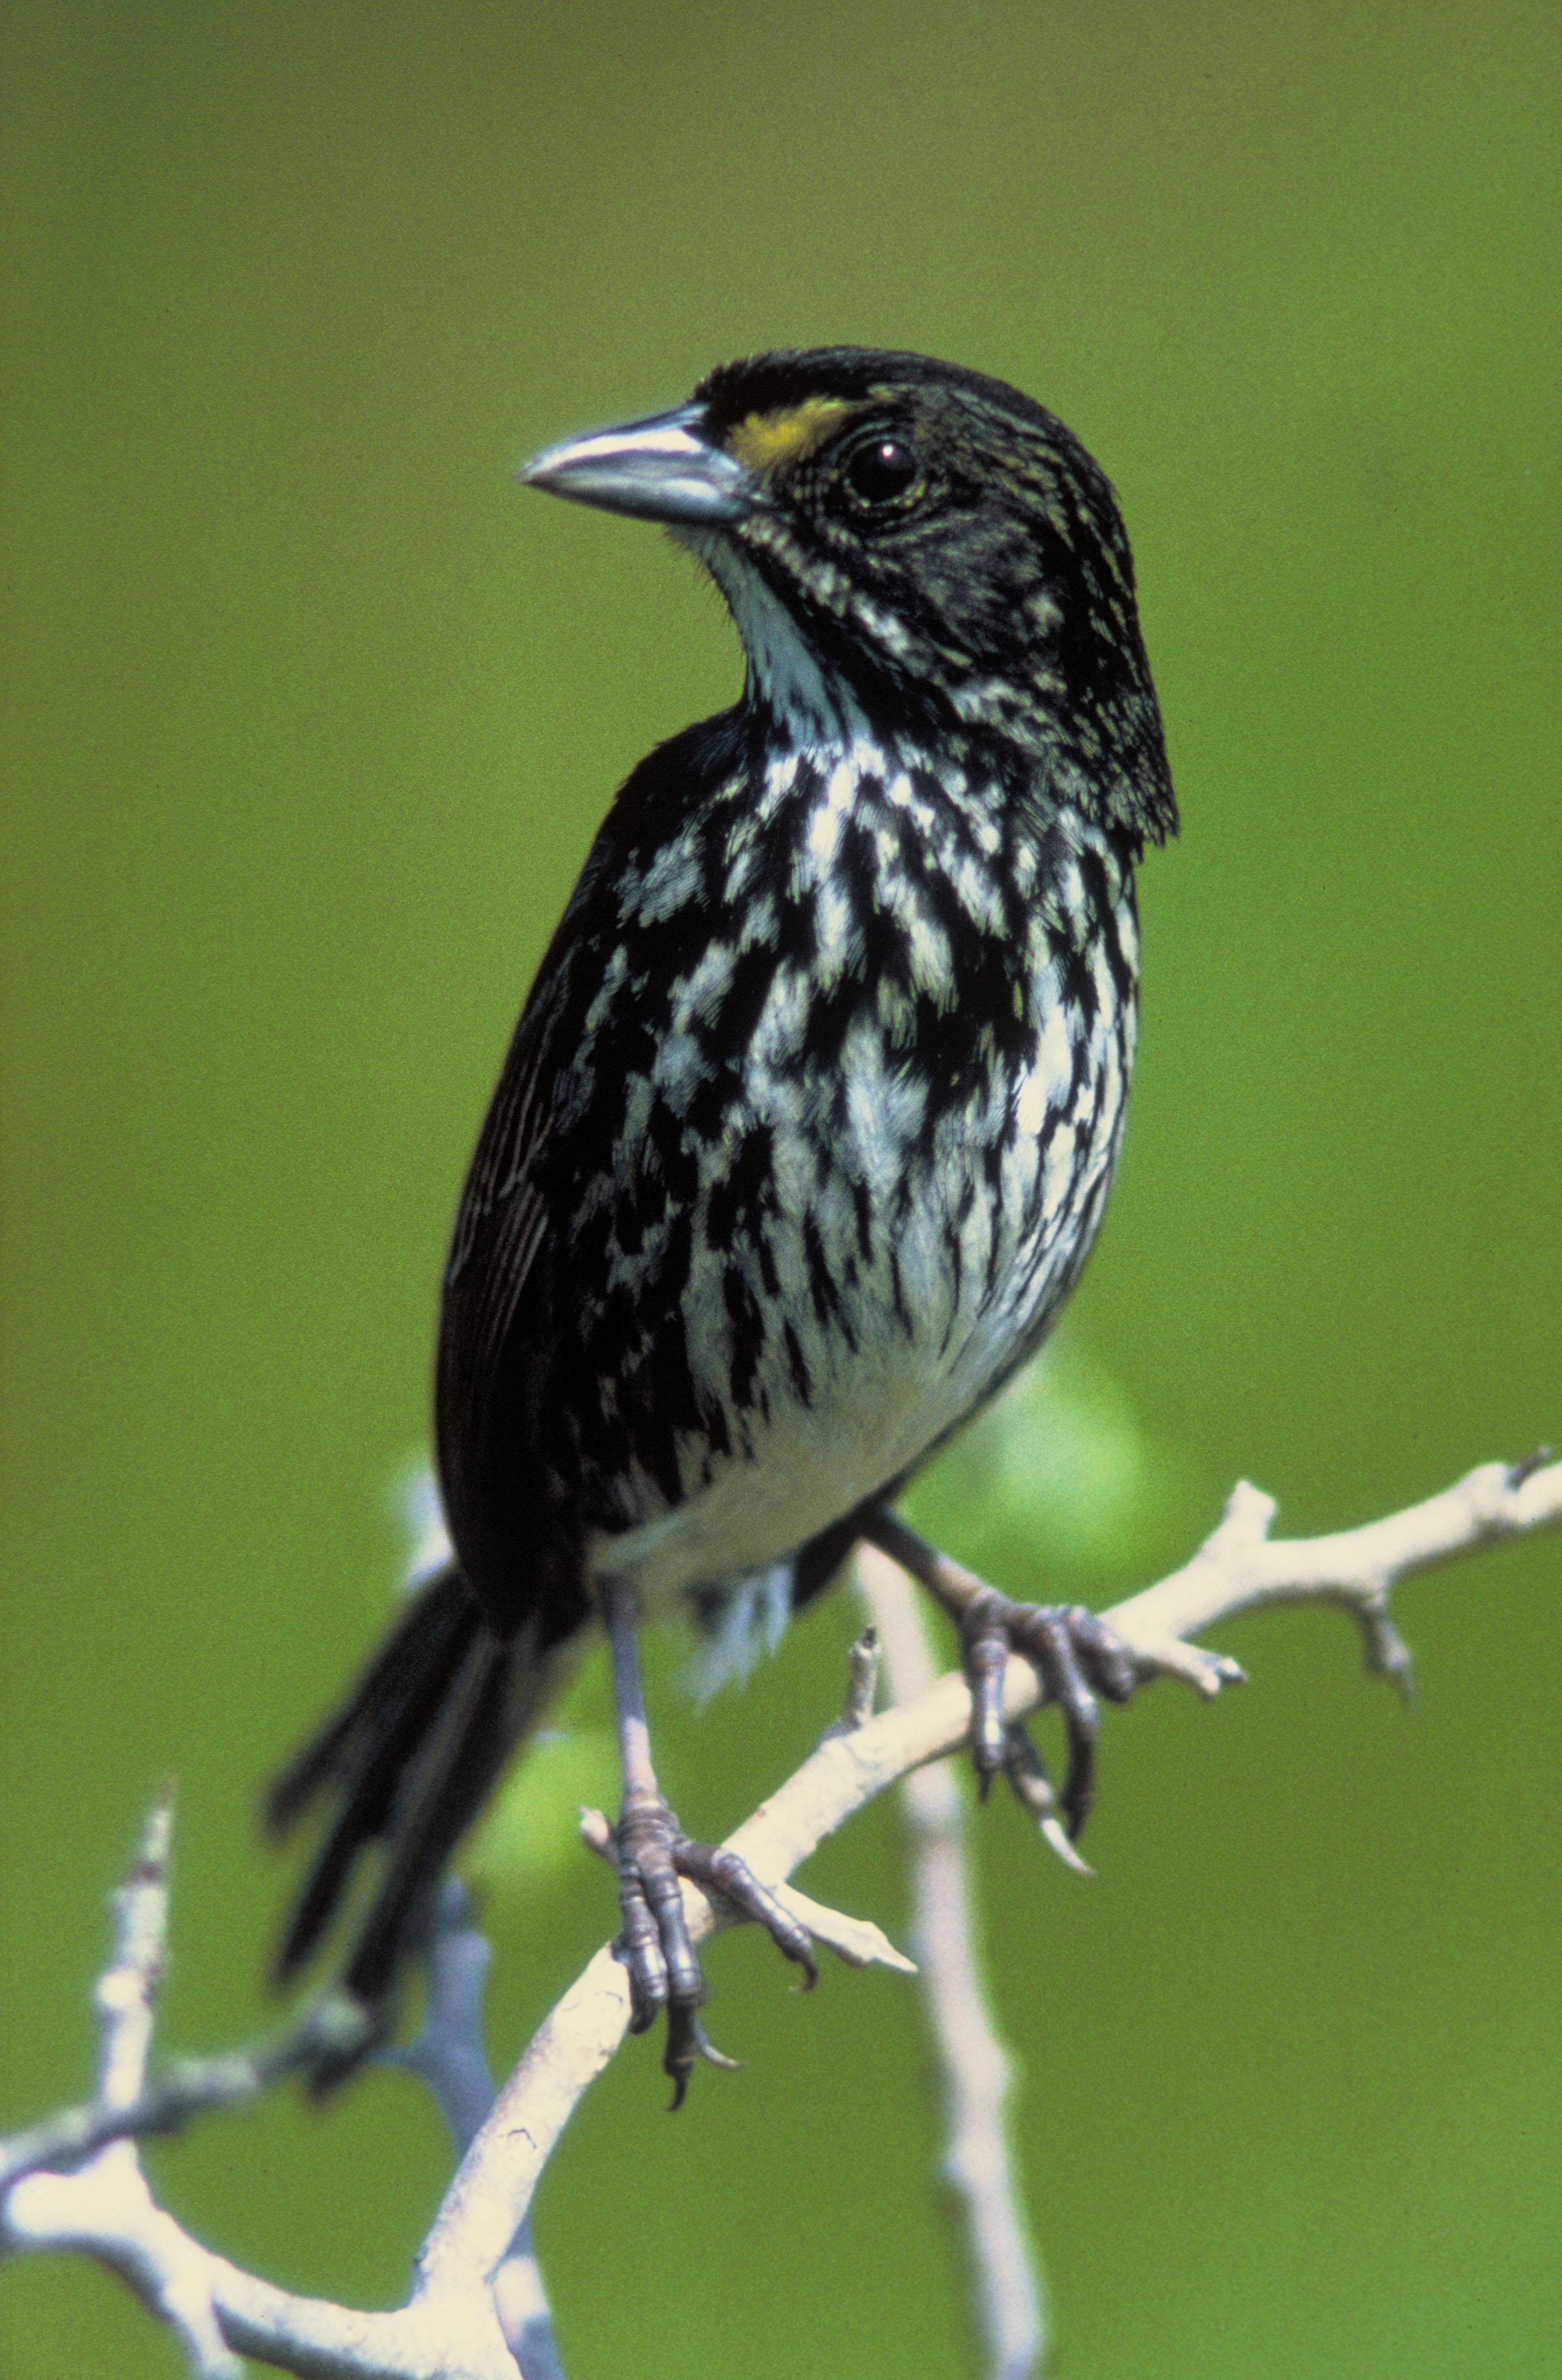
(677, 2055)
(711, 2055)
(1079, 1791)
(1061, 1669)
(1026, 1771)
(1071, 1651)
(1053, 1835)
(688, 2040)
(1032, 1789)
(1079, 1785)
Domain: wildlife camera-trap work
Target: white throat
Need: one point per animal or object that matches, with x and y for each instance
(783, 672)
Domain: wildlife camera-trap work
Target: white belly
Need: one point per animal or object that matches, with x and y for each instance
(875, 1408)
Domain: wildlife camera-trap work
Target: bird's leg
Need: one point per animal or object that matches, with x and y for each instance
(653, 1854)
(1076, 1655)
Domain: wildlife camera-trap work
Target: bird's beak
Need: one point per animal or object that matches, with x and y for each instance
(663, 469)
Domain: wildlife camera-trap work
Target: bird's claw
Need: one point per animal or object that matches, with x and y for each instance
(1032, 1788)
(654, 1855)
(1077, 1658)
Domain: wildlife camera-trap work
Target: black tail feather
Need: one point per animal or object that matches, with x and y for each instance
(407, 1762)
(416, 1662)
(453, 1777)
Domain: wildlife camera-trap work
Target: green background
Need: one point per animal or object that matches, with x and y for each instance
(310, 716)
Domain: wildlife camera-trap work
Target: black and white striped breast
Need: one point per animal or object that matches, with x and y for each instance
(865, 1028)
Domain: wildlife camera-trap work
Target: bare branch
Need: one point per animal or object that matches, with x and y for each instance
(1240, 1568)
(126, 1998)
(1237, 1570)
(106, 2208)
(449, 2330)
(979, 2162)
(447, 2053)
(186, 2086)
(449, 2057)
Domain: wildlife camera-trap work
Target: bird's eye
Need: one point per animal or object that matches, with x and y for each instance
(882, 471)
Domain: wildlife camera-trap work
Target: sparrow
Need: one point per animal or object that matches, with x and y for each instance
(804, 1134)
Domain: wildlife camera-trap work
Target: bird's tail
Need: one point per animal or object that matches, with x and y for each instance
(404, 1764)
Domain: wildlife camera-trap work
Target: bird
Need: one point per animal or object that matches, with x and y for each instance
(804, 1134)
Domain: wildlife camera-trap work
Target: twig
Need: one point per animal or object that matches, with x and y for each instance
(334, 2026)
(450, 2329)
(863, 1682)
(103, 2207)
(106, 2207)
(448, 2056)
(978, 2161)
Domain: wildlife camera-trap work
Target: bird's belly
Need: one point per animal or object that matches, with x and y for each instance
(901, 1296)
(804, 1467)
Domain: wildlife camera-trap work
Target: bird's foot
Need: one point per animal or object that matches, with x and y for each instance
(1077, 1656)
(1078, 1659)
(653, 1855)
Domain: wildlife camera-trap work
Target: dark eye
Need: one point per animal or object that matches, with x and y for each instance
(881, 470)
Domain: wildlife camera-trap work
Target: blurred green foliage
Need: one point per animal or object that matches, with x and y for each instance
(310, 717)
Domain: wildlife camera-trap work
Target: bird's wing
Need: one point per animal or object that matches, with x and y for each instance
(504, 1301)
(497, 1279)
(502, 1215)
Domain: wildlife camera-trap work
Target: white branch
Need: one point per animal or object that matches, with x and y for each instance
(449, 2057)
(106, 2208)
(102, 2206)
(1236, 1569)
(979, 2162)
(450, 2329)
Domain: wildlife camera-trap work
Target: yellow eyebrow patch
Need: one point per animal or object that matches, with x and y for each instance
(768, 442)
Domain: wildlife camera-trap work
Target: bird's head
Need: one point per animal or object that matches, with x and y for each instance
(908, 549)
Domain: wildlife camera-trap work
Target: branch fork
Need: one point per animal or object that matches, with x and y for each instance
(476, 2310)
